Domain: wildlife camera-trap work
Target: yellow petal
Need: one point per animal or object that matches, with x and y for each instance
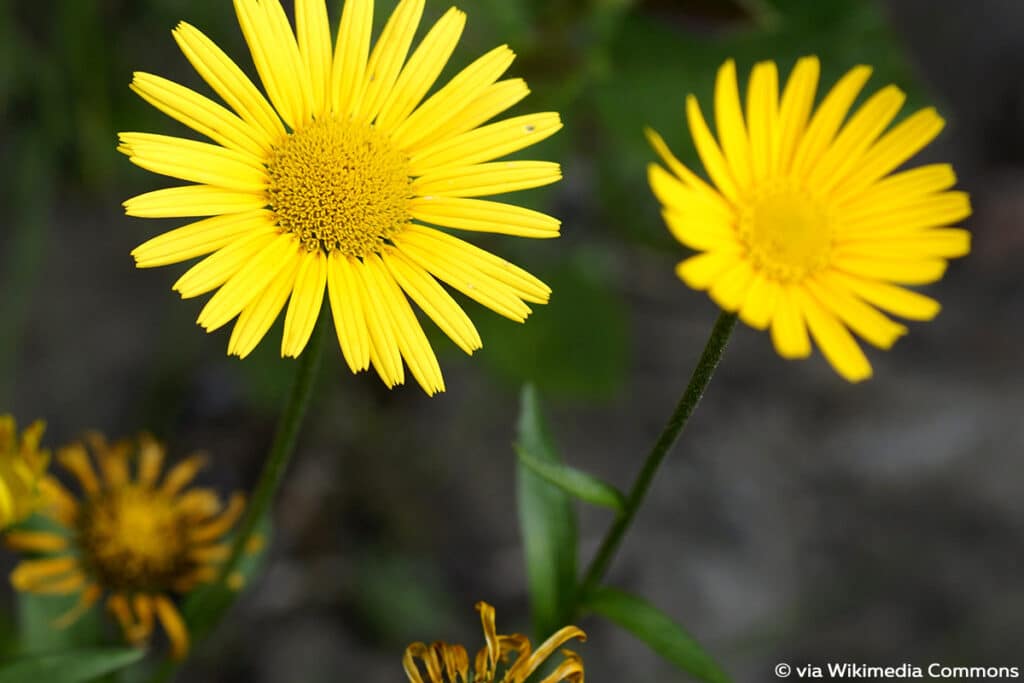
(762, 117)
(306, 302)
(700, 271)
(900, 189)
(313, 31)
(730, 288)
(486, 143)
(710, 155)
(422, 69)
(192, 200)
(216, 269)
(201, 114)
(902, 272)
(468, 85)
(433, 299)
(388, 56)
(945, 208)
(732, 132)
(890, 298)
(487, 179)
(699, 191)
(346, 292)
(827, 119)
(939, 243)
(174, 626)
(481, 215)
(794, 111)
(351, 51)
(384, 352)
(200, 238)
(197, 162)
(227, 80)
(758, 307)
(836, 344)
(492, 101)
(256, 318)
(872, 326)
(35, 541)
(789, 331)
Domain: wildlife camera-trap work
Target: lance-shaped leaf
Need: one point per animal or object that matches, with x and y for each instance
(575, 482)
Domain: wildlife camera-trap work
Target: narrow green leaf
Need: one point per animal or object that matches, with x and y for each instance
(547, 523)
(75, 666)
(649, 624)
(575, 482)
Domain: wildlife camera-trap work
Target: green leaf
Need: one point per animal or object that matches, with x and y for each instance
(649, 624)
(575, 482)
(77, 666)
(547, 523)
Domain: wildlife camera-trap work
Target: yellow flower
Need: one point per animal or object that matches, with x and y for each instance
(806, 227)
(22, 466)
(331, 183)
(135, 539)
(446, 663)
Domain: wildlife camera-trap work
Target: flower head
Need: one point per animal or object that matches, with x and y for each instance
(22, 466)
(805, 226)
(331, 182)
(446, 663)
(136, 539)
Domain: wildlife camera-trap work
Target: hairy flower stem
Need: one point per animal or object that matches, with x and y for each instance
(699, 380)
(220, 599)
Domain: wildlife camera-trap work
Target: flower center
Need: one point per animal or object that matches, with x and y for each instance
(787, 232)
(339, 185)
(134, 539)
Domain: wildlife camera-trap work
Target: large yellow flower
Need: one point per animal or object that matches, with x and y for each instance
(806, 227)
(22, 467)
(444, 663)
(136, 539)
(331, 183)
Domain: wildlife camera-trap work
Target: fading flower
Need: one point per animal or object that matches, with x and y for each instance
(330, 186)
(805, 226)
(22, 466)
(136, 539)
(444, 663)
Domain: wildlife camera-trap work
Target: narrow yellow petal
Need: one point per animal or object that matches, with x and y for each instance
(35, 541)
(710, 154)
(276, 57)
(486, 143)
(192, 200)
(259, 314)
(700, 271)
(200, 238)
(433, 299)
(828, 118)
(494, 100)
(698, 229)
(201, 114)
(890, 298)
(306, 302)
(525, 285)
(151, 459)
(905, 140)
(179, 476)
(794, 110)
(867, 322)
(762, 117)
(75, 460)
(935, 210)
(64, 585)
(227, 80)
(789, 330)
(466, 86)
(194, 161)
(730, 288)
(385, 355)
(222, 524)
(479, 286)
(90, 595)
(836, 344)
(350, 54)
(346, 293)
(411, 340)
(481, 215)
(481, 180)
(698, 189)
(901, 272)
(31, 573)
(313, 31)
(217, 268)
(388, 56)
(422, 69)
(846, 154)
(939, 243)
(900, 189)
(685, 198)
(252, 276)
(758, 307)
(525, 666)
(732, 132)
(174, 626)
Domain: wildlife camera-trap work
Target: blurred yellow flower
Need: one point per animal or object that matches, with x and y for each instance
(329, 185)
(136, 539)
(445, 663)
(806, 227)
(22, 466)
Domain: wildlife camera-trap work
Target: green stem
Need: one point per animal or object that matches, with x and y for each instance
(266, 489)
(687, 403)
